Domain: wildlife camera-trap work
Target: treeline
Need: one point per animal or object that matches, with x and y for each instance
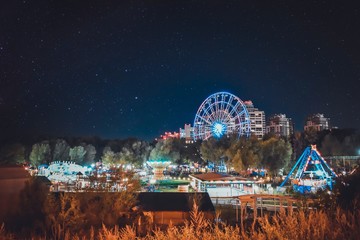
(272, 153)
(83, 151)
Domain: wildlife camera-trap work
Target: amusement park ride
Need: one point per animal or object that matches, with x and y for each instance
(158, 167)
(221, 114)
(311, 172)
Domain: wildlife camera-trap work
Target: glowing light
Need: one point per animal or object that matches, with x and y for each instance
(218, 129)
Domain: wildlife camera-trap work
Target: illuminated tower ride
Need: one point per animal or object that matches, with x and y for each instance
(221, 114)
(312, 172)
(158, 168)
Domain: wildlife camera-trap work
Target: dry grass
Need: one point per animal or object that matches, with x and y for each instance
(4, 235)
(299, 225)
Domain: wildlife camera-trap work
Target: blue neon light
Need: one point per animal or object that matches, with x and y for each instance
(218, 129)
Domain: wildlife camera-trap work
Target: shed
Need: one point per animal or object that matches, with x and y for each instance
(174, 207)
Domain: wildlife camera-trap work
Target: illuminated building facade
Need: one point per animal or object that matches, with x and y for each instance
(280, 125)
(317, 121)
(187, 133)
(257, 120)
(168, 135)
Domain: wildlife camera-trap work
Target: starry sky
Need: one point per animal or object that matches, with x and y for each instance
(120, 69)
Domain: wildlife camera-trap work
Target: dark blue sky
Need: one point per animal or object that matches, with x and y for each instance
(138, 68)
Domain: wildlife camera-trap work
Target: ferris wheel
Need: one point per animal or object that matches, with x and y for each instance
(221, 114)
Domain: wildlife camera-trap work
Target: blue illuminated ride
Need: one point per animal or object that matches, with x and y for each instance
(312, 172)
(222, 113)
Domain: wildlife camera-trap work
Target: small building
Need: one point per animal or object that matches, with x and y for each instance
(280, 125)
(43, 180)
(223, 185)
(257, 120)
(317, 121)
(187, 132)
(12, 182)
(175, 207)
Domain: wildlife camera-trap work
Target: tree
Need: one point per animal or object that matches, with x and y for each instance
(64, 214)
(40, 153)
(165, 150)
(347, 191)
(243, 153)
(12, 154)
(299, 144)
(330, 146)
(108, 157)
(311, 135)
(276, 154)
(61, 150)
(190, 152)
(77, 154)
(29, 215)
(135, 152)
(90, 153)
(213, 149)
(340, 142)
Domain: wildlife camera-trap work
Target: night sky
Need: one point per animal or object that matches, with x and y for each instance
(120, 69)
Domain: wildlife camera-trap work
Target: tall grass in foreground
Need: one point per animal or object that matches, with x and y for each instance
(299, 225)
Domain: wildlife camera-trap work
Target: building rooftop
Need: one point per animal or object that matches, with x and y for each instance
(174, 201)
(217, 177)
(13, 172)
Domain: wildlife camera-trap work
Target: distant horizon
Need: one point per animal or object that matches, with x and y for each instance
(41, 137)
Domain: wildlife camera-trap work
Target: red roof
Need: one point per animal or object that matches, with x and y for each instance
(211, 176)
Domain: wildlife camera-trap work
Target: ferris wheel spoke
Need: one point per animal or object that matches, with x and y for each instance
(242, 112)
(234, 108)
(216, 104)
(225, 110)
(229, 103)
(212, 110)
(208, 107)
(229, 119)
(204, 133)
(221, 109)
(217, 116)
(224, 116)
(205, 120)
(222, 101)
(206, 113)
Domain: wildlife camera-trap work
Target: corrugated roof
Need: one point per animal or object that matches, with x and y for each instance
(174, 201)
(217, 177)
